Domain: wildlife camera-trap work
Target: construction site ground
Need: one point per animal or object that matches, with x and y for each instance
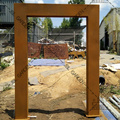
(59, 95)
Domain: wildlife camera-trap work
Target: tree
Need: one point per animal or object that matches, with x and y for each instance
(48, 25)
(32, 21)
(75, 22)
(76, 2)
(65, 23)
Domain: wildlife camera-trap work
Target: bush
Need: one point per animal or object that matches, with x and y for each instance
(4, 65)
(114, 91)
(41, 56)
(35, 58)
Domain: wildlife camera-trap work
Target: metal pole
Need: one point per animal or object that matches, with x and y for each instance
(74, 39)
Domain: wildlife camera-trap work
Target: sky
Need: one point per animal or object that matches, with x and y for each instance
(105, 6)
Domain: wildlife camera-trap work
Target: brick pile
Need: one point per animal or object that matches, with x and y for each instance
(59, 51)
(34, 50)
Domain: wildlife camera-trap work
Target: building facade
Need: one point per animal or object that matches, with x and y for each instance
(110, 31)
(35, 33)
(7, 13)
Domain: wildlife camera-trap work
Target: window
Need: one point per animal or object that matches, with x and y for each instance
(2, 8)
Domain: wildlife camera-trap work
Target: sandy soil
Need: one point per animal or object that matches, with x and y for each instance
(59, 95)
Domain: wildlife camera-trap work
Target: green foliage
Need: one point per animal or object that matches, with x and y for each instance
(41, 56)
(114, 91)
(4, 65)
(48, 25)
(109, 89)
(30, 25)
(65, 23)
(112, 51)
(32, 21)
(55, 58)
(6, 31)
(7, 88)
(78, 39)
(35, 58)
(74, 22)
(76, 2)
(102, 88)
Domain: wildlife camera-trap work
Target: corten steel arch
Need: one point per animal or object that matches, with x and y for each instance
(22, 11)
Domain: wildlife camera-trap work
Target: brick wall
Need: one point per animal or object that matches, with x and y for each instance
(34, 50)
(59, 51)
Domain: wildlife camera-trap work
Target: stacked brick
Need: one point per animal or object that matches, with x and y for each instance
(59, 51)
(34, 50)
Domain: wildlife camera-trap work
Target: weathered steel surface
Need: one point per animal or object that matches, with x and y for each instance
(22, 11)
(34, 50)
(59, 51)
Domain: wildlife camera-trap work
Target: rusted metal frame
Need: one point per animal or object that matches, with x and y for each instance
(92, 87)
(22, 11)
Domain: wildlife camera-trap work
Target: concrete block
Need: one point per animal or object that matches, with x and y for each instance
(33, 81)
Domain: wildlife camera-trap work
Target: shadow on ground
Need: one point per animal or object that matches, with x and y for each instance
(66, 110)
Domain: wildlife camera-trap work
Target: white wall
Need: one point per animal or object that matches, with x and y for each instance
(102, 30)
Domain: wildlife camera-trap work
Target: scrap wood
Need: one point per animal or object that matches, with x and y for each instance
(116, 66)
(108, 67)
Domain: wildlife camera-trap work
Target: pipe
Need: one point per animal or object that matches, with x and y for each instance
(101, 80)
(110, 108)
(116, 98)
(32, 117)
(113, 101)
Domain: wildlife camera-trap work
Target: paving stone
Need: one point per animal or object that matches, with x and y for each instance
(33, 81)
(51, 72)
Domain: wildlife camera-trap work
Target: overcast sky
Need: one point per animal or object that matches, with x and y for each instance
(104, 8)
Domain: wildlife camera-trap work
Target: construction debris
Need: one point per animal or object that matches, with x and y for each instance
(108, 67)
(33, 81)
(76, 54)
(115, 58)
(32, 117)
(8, 59)
(114, 102)
(116, 66)
(116, 99)
(110, 108)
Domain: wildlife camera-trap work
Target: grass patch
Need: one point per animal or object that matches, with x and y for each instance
(4, 65)
(112, 89)
(41, 56)
(7, 88)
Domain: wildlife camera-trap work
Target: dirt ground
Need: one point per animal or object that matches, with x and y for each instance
(59, 96)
